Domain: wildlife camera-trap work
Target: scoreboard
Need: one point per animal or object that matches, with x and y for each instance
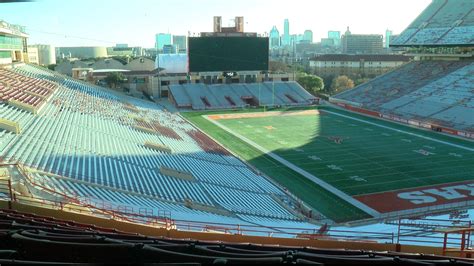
(228, 54)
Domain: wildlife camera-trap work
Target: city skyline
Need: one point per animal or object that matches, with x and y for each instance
(52, 22)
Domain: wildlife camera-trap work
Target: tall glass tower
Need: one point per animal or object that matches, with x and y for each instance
(286, 33)
(308, 36)
(335, 36)
(388, 38)
(274, 38)
(162, 39)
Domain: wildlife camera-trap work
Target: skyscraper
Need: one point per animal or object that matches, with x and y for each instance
(388, 38)
(274, 38)
(308, 36)
(162, 39)
(348, 32)
(335, 36)
(362, 43)
(294, 39)
(286, 33)
(180, 43)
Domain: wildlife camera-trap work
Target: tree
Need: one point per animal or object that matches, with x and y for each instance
(115, 78)
(359, 81)
(300, 68)
(52, 66)
(311, 83)
(341, 83)
(277, 66)
(328, 82)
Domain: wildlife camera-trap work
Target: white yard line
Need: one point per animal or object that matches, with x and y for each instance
(405, 132)
(302, 172)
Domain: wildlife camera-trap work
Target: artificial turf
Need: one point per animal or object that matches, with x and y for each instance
(353, 156)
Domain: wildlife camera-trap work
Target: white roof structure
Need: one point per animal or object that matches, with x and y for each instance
(172, 63)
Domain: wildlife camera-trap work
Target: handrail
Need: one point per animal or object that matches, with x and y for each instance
(97, 207)
(114, 215)
(465, 240)
(5, 186)
(122, 215)
(227, 228)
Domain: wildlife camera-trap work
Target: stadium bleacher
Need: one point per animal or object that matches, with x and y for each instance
(33, 239)
(222, 96)
(442, 23)
(88, 151)
(91, 143)
(437, 91)
(23, 90)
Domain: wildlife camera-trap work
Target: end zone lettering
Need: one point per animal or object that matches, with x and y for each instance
(406, 199)
(447, 193)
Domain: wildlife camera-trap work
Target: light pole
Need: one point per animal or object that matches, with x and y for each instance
(259, 93)
(273, 93)
(294, 60)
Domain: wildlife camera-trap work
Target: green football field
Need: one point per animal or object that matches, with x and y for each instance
(355, 154)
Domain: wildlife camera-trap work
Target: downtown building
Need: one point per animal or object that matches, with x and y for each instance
(13, 43)
(367, 65)
(362, 43)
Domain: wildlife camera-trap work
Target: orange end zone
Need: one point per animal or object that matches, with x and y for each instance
(419, 197)
(264, 114)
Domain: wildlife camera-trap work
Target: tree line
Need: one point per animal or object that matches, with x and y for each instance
(315, 84)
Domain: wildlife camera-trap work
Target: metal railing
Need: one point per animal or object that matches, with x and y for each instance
(448, 234)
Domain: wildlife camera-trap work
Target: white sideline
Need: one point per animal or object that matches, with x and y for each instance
(302, 172)
(401, 131)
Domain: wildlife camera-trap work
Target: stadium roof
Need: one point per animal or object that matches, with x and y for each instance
(365, 57)
(105, 72)
(442, 23)
(110, 70)
(12, 29)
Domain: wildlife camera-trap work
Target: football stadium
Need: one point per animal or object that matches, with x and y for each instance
(256, 171)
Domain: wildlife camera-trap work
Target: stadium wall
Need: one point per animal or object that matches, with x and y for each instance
(420, 124)
(430, 210)
(209, 236)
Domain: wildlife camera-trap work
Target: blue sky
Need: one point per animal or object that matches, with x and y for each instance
(107, 22)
